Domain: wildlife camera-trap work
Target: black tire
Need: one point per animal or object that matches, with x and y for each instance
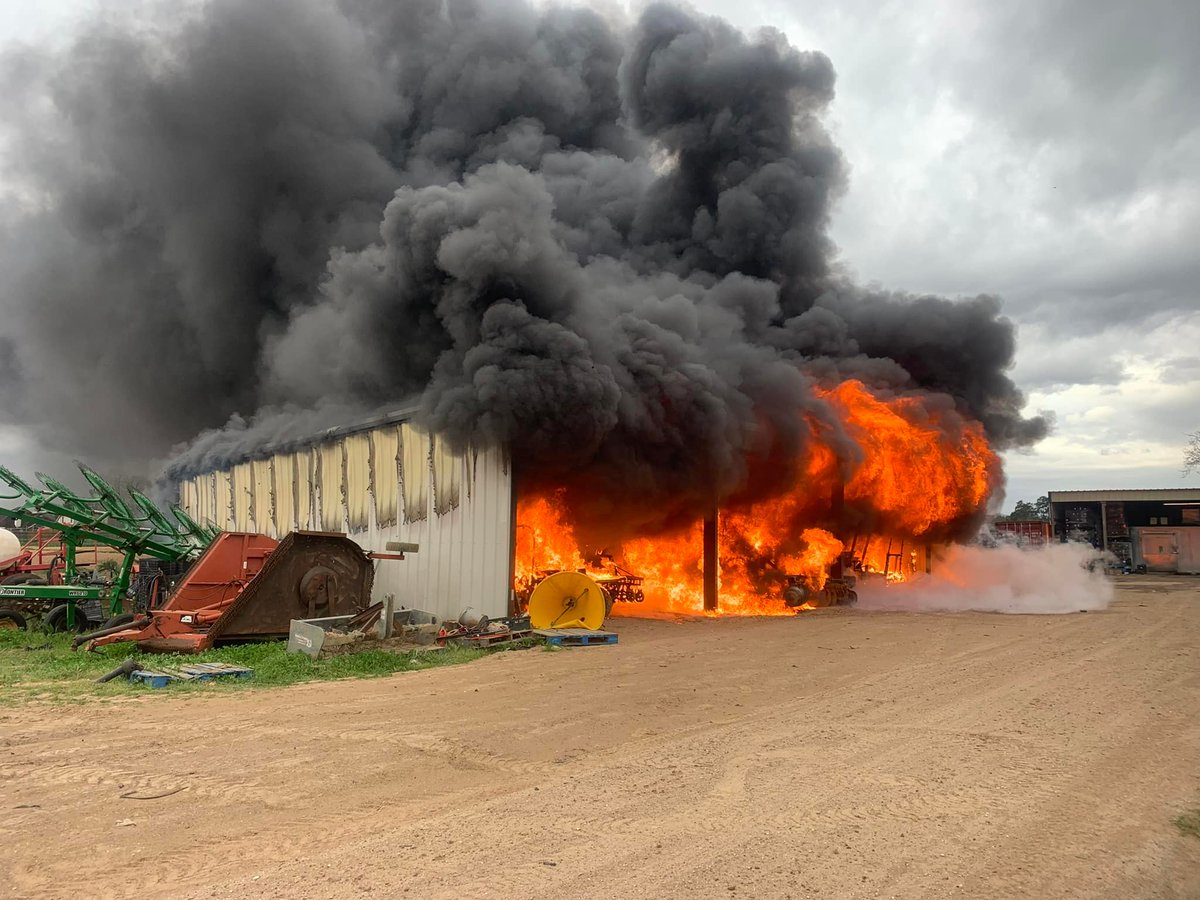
(11, 619)
(19, 578)
(122, 619)
(36, 579)
(56, 620)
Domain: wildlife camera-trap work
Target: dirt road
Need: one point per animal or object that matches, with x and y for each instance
(838, 755)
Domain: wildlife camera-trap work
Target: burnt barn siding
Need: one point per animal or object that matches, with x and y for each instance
(388, 482)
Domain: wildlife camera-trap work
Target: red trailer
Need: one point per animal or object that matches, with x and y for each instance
(40, 560)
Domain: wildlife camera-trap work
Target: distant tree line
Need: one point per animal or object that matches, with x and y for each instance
(1024, 511)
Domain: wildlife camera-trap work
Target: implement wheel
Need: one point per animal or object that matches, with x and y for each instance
(56, 620)
(11, 620)
(122, 619)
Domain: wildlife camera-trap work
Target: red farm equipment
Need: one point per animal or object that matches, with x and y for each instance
(42, 558)
(248, 587)
(236, 587)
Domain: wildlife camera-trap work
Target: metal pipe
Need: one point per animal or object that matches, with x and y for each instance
(126, 668)
(135, 625)
(711, 599)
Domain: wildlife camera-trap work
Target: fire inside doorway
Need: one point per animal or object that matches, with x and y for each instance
(916, 483)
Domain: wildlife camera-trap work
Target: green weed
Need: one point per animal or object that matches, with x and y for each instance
(41, 667)
(1189, 823)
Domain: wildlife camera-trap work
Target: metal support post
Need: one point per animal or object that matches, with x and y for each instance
(710, 561)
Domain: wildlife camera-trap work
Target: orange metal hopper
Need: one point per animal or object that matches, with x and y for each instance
(250, 587)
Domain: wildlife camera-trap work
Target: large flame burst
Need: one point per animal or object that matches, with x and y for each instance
(920, 474)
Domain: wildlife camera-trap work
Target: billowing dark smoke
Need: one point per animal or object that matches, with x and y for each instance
(604, 245)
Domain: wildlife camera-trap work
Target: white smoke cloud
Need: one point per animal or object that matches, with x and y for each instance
(1007, 579)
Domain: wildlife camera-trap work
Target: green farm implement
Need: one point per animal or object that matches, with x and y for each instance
(133, 530)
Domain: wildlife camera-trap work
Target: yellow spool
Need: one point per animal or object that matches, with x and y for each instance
(567, 600)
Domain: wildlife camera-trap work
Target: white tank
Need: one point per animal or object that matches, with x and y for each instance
(10, 547)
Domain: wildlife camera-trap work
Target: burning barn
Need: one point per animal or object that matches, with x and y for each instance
(489, 530)
(593, 247)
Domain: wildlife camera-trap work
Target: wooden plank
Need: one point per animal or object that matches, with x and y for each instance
(160, 678)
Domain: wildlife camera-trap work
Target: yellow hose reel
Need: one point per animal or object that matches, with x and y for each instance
(567, 600)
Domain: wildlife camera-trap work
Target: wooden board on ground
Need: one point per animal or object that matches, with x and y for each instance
(161, 677)
(488, 640)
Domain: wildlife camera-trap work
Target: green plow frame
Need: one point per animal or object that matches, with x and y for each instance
(105, 519)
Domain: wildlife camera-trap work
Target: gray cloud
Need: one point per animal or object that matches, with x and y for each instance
(605, 244)
(1045, 153)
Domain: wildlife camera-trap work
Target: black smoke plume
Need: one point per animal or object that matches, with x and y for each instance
(602, 244)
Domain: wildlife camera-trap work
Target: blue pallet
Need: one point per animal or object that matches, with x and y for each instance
(160, 678)
(575, 637)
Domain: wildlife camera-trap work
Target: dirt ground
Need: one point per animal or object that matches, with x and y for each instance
(839, 754)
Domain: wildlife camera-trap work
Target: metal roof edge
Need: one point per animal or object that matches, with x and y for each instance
(1127, 494)
(289, 445)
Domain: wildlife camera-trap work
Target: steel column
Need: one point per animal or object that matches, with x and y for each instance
(710, 561)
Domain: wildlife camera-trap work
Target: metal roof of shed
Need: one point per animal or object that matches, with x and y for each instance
(1161, 495)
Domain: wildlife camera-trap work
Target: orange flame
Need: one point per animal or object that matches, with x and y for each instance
(920, 471)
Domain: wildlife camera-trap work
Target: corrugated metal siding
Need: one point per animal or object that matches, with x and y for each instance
(223, 495)
(447, 477)
(1162, 495)
(329, 486)
(241, 478)
(304, 490)
(262, 509)
(414, 473)
(466, 552)
(189, 496)
(1169, 550)
(385, 473)
(206, 505)
(283, 469)
(357, 454)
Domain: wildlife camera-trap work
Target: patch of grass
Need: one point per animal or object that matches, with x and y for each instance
(1189, 823)
(35, 666)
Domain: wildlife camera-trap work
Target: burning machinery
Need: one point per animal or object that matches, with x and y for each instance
(619, 584)
(835, 592)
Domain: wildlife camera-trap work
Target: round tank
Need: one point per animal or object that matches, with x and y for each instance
(10, 547)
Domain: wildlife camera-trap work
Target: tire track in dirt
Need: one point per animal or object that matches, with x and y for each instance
(996, 753)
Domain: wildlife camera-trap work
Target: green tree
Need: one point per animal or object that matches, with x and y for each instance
(1023, 510)
(1037, 510)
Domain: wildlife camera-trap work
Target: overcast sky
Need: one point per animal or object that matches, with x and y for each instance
(1046, 152)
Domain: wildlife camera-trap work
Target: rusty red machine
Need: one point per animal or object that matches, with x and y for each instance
(247, 587)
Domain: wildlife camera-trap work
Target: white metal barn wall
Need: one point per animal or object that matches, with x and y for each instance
(392, 483)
